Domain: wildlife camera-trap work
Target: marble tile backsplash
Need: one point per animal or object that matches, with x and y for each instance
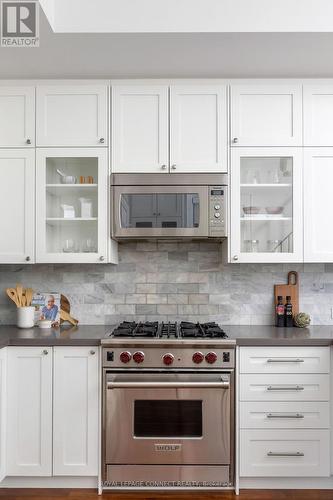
(172, 281)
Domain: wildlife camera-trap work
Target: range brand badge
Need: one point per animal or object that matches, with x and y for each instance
(168, 447)
(19, 24)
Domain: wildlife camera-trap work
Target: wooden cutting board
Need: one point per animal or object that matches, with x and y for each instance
(291, 288)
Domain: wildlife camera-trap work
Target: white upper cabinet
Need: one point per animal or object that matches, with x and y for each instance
(140, 128)
(198, 128)
(76, 411)
(29, 411)
(70, 115)
(17, 206)
(266, 115)
(318, 115)
(17, 117)
(318, 208)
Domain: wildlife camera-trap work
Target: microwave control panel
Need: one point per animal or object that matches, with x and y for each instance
(217, 211)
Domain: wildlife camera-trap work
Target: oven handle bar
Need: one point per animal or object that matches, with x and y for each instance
(162, 385)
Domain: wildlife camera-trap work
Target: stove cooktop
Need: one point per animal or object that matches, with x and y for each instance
(182, 330)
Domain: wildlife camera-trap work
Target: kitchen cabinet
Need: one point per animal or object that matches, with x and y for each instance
(318, 210)
(3, 410)
(72, 218)
(17, 117)
(72, 115)
(140, 128)
(266, 115)
(198, 128)
(284, 395)
(266, 205)
(17, 206)
(318, 114)
(29, 411)
(76, 411)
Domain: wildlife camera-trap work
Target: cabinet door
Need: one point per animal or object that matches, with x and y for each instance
(318, 209)
(140, 128)
(17, 206)
(266, 115)
(266, 205)
(76, 417)
(3, 410)
(198, 128)
(72, 217)
(72, 115)
(29, 411)
(318, 115)
(17, 117)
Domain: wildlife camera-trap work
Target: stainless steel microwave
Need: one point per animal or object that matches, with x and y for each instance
(173, 206)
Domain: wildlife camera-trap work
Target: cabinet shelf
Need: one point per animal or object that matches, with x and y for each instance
(264, 218)
(55, 220)
(72, 186)
(274, 185)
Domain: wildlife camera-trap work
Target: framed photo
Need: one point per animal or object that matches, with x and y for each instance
(47, 306)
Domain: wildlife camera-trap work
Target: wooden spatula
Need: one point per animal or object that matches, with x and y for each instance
(28, 295)
(12, 294)
(19, 291)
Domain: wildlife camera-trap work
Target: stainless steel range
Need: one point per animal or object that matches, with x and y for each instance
(168, 406)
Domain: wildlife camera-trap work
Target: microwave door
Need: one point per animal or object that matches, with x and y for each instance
(162, 211)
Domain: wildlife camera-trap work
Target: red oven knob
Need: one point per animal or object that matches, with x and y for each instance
(138, 356)
(198, 357)
(211, 357)
(125, 357)
(168, 358)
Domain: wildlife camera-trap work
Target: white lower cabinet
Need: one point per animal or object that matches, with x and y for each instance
(75, 411)
(3, 408)
(52, 411)
(29, 411)
(288, 453)
(284, 413)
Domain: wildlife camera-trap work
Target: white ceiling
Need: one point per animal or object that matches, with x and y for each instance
(170, 55)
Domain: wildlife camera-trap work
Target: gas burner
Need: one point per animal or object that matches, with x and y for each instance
(132, 329)
(201, 330)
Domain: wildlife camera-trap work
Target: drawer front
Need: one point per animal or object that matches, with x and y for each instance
(285, 360)
(276, 387)
(290, 453)
(282, 415)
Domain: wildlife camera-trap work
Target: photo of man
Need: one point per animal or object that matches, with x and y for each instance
(50, 310)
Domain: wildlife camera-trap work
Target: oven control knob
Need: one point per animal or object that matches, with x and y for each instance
(198, 357)
(138, 356)
(125, 357)
(168, 358)
(211, 357)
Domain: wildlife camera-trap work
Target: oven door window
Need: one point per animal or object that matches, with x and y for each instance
(168, 418)
(160, 210)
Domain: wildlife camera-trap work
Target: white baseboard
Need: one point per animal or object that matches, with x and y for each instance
(285, 483)
(50, 482)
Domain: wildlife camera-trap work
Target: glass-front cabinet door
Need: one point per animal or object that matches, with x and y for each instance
(71, 208)
(266, 205)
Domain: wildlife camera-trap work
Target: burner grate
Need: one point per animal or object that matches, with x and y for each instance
(168, 330)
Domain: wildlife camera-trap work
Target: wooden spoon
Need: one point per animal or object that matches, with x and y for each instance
(28, 295)
(19, 291)
(12, 294)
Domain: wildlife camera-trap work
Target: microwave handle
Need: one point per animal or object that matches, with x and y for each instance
(167, 385)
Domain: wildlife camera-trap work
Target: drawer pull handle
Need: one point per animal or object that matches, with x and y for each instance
(285, 454)
(285, 388)
(285, 360)
(284, 415)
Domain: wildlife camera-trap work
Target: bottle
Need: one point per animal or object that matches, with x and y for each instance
(279, 312)
(288, 313)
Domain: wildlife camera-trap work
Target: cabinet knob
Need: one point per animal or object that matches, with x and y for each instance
(235, 140)
(173, 167)
(164, 167)
(45, 352)
(92, 352)
(28, 141)
(28, 258)
(101, 257)
(235, 257)
(102, 140)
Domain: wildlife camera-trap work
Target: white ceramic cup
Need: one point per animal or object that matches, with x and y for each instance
(25, 317)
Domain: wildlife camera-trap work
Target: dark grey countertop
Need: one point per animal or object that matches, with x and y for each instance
(87, 335)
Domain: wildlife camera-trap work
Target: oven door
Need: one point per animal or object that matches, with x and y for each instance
(167, 418)
(160, 211)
